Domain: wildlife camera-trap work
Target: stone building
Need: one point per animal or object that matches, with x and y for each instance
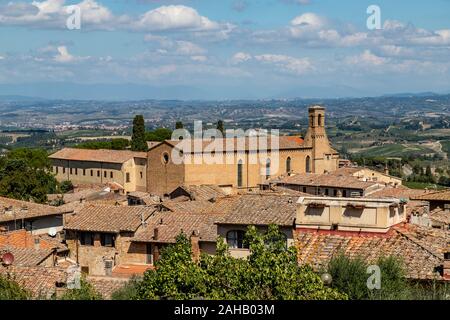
(100, 167)
(236, 170)
(37, 218)
(99, 237)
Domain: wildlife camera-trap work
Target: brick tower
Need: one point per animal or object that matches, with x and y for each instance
(324, 158)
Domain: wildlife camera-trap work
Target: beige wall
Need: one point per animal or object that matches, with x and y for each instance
(375, 215)
(89, 172)
(372, 175)
(124, 252)
(223, 229)
(164, 178)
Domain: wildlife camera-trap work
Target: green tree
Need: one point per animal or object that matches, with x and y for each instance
(270, 272)
(11, 290)
(65, 186)
(129, 291)
(86, 292)
(179, 125)
(349, 275)
(160, 134)
(25, 175)
(220, 127)
(138, 141)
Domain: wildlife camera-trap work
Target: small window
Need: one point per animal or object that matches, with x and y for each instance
(128, 177)
(335, 192)
(111, 174)
(268, 168)
(107, 240)
(86, 239)
(84, 172)
(165, 158)
(64, 169)
(288, 165)
(142, 175)
(235, 239)
(92, 173)
(57, 170)
(76, 171)
(70, 170)
(344, 193)
(304, 189)
(327, 192)
(98, 173)
(239, 174)
(105, 174)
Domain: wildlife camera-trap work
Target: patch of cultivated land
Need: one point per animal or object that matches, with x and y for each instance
(396, 150)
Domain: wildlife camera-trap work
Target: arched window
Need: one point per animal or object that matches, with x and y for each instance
(308, 164)
(319, 120)
(239, 174)
(288, 165)
(235, 239)
(311, 121)
(268, 168)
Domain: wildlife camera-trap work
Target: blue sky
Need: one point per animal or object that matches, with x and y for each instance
(223, 49)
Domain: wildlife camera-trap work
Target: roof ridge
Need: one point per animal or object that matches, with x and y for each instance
(416, 242)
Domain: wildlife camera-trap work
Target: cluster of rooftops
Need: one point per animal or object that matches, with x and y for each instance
(205, 210)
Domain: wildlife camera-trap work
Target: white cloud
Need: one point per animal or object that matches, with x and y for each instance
(199, 58)
(63, 55)
(367, 58)
(309, 20)
(286, 63)
(175, 17)
(240, 57)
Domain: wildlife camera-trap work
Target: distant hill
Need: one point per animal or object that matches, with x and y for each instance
(17, 98)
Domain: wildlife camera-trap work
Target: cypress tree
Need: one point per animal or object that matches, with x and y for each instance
(220, 127)
(138, 142)
(179, 125)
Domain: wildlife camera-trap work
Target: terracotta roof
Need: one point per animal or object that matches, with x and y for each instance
(24, 239)
(443, 195)
(174, 222)
(106, 286)
(114, 219)
(219, 206)
(440, 215)
(420, 248)
(129, 270)
(398, 192)
(39, 281)
(262, 209)
(28, 257)
(327, 180)
(202, 192)
(241, 144)
(11, 209)
(100, 155)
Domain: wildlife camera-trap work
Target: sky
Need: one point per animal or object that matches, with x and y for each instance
(223, 49)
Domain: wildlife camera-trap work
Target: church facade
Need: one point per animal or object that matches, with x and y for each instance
(238, 168)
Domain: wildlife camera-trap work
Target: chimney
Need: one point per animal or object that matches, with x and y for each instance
(37, 243)
(155, 234)
(195, 245)
(446, 271)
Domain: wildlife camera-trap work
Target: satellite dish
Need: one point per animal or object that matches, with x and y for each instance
(8, 258)
(52, 232)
